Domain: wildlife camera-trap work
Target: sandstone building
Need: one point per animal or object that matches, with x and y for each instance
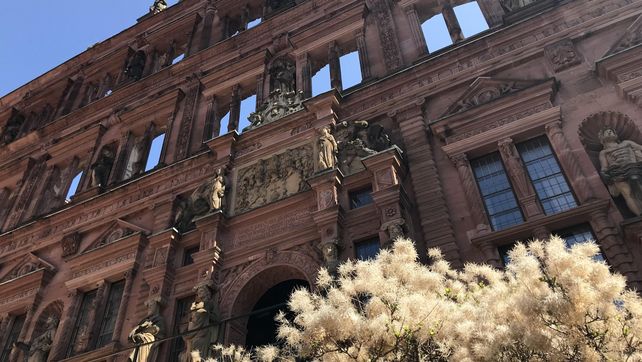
(134, 186)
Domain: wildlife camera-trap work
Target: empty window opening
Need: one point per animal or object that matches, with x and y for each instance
(360, 198)
(321, 81)
(178, 59)
(188, 255)
(436, 33)
(254, 23)
(350, 69)
(471, 19)
(73, 188)
(367, 249)
(108, 92)
(153, 158)
(224, 123)
(248, 106)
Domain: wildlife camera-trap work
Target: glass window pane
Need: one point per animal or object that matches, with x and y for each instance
(544, 171)
(111, 313)
(12, 337)
(579, 234)
(360, 198)
(82, 328)
(367, 249)
(181, 321)
(496, 191)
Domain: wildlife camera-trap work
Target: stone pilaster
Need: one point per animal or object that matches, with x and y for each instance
(493, 12)
(362, 49)
(473, 197)
(418, 38)
(158, 270)
(235, 109)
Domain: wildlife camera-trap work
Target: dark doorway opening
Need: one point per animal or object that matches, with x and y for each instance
(261, 327)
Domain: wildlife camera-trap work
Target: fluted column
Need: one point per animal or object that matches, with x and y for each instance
(212, 124)
(569, 162)
(520, 179)
(363, 54)
(304, 80)
(415, 28)
(477, 209)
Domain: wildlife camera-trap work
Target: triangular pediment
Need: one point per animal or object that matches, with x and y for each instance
(26, 265)
(632, 37)
(115, 231)
(485, 90)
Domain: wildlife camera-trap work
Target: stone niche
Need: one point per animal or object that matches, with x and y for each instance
(274, 178)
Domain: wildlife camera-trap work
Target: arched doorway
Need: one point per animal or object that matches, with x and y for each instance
(261, 326)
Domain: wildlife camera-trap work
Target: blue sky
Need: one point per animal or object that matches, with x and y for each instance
(38, 35)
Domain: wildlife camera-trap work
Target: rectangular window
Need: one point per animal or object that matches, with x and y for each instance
(111, 313)
(545, 173)
(578, 234)
(81, 331)
(181, 321)
(188, 256)
(496, 191)
(361, 197)
(367, 249)
(12, 337)
(471, 19)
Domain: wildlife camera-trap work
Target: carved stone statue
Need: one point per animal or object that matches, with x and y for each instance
(356, 140)
(512, 5)
(218, 190)
(203, 320)
(102, 167)
(330, 250)
(621, 168)
(327, 150)
(12, 128)
(135, 65)
(282, 76)
(150, 329)
(41, 345)
(158, 6)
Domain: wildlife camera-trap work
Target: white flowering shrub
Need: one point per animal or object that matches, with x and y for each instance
(550, 304)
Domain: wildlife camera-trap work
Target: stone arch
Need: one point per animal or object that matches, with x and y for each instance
(593, 124)
(251, 284)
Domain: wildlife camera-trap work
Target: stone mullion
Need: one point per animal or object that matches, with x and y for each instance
(190, 107)
(97, 311)
(335, 67)
(570, 163)
(436, 226)
(208, 21)
(473, 197)
(305, 75)
(259, 90)
(520, 180)
(122, 308)
(493, 12)
(212, 124)
(62, 338)
(452, 23)
(415, 28)
(124, 145)
(362, 49)
(235, 109)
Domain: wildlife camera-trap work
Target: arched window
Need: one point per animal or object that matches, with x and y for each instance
(153, 157)
(73, 187)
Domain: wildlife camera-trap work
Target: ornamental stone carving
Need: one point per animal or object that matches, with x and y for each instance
(203, 321)
(330, 251)
(621, 168)
(562, 55)
(208, 197)
(158, 6)
(70, 244)
(12, 128)
(150, 329)
(101, 169)
(283, 99)
(482, 91)
(274, 179)
(42, 343)
(356, 140)
(632, 37)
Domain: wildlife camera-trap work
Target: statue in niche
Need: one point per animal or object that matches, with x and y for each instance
(512, 5)
(218, 190)
(328, 149)
(41, 345)
(330, 250)
(12, 128)
(203, 314)
(283, 99)
(150, 329)
(135, 161)
(102, 167)
(621, 168)
(135, 65)
(158, 6)
(356, 140)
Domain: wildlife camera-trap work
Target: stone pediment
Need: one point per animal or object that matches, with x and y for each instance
(116, 231)
(26, 265)
(632, 37)
(485, 90)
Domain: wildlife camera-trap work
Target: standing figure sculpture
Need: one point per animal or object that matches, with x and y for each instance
(203, 321)
(218, 191)
(158, 6)
(149, 329)
(41, 345)
(102, 168)
(621, 168)
(327, 150)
